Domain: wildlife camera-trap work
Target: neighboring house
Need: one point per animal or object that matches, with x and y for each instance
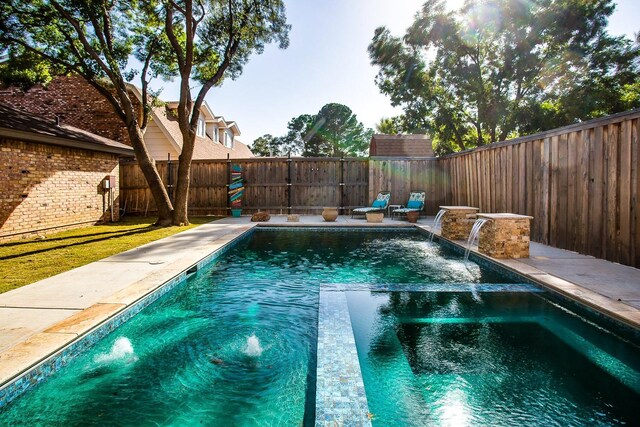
(400, 146)
(53, 175)
(72, 101)
(215, 137)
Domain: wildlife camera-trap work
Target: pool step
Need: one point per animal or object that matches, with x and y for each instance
(431, 287)
(466, 320)
(340, 394)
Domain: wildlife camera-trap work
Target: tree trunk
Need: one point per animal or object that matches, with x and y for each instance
(478, 126)
(180, 211)
(148, 168)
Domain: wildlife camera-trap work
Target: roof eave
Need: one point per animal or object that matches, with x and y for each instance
(64, 142)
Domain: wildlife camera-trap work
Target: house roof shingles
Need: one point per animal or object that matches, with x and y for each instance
(405, 146)
(204, 148)
(22, 125)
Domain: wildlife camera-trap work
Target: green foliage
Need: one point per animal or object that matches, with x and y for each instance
(268, 146)
(334, 132)
(338, 133)
(498, 68)
(244, 25)
(390, 125)
(24, 69)
(94, 39)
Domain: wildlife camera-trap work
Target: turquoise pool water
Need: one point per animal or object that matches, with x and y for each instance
(499, 359)
(236, 343)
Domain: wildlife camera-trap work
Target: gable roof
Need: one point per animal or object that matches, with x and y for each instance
(26, 126)
(416, 145)
(204, 148)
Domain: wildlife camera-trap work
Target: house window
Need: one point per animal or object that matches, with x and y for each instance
(216, 135)
(200, 131)
(228, 139)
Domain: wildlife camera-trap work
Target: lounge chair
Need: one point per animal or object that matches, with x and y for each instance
(415, 204)
(379, 204)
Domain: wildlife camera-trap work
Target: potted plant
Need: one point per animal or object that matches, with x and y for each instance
(412, 216)
(236, 191)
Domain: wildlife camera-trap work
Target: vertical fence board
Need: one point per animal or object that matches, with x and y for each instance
(553, 193)
(596, 190)
(635, 167)
(624, 194)
(571, 172)
(611, 193)
(583, 192)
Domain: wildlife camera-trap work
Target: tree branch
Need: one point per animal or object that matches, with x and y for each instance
(168, 24)
(230, 50)
(145, 83)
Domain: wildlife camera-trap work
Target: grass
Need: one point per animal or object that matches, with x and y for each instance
(27, 261)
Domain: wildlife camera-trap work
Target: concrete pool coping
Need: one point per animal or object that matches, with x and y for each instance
(38, 320)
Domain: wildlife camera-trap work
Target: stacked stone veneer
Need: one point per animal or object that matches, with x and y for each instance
(457, 222)
(74, 102)
(505, 236)
(44, 188)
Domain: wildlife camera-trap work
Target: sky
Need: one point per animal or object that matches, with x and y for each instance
(327, 61)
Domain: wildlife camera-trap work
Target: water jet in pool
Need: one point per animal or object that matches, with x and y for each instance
(253, 348)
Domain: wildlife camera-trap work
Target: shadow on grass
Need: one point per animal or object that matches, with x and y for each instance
(75, 236)
(111, 235)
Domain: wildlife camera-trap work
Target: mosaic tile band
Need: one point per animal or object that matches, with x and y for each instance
(340, 395)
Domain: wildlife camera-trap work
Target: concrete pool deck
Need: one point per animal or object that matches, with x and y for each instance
(38, 320)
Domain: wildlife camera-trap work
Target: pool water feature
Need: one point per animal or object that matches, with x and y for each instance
(236, 343)
(436, 223)
(473, 235)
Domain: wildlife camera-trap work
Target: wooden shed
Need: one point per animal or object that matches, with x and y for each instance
(401, 146)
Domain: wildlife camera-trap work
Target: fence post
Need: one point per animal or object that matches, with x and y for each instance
(341, 186)
(289, 184)
(227, 206)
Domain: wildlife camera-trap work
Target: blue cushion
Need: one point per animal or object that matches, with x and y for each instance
(379, 204)
(414, 204)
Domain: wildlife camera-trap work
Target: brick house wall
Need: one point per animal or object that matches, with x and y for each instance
(74, 101)
(46, 188)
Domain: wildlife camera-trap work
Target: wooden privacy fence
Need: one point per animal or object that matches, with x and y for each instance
(580, 183)
(401, 176)
(276, 185)
(297, 185)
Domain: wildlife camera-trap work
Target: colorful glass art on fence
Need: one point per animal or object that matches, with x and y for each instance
(236, 188)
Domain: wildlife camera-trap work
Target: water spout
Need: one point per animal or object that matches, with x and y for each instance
(475, 232)
(436, 222)
(122, 350)
(253, 348)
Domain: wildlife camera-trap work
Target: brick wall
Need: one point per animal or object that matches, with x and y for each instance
(74, 101)
(45, 186)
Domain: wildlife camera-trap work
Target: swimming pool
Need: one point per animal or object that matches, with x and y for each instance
(236, 343)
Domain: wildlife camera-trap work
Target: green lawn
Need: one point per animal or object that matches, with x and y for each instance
(27, 261)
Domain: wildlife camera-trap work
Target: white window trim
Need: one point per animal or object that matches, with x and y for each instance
(201, 130)
(228, 139)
